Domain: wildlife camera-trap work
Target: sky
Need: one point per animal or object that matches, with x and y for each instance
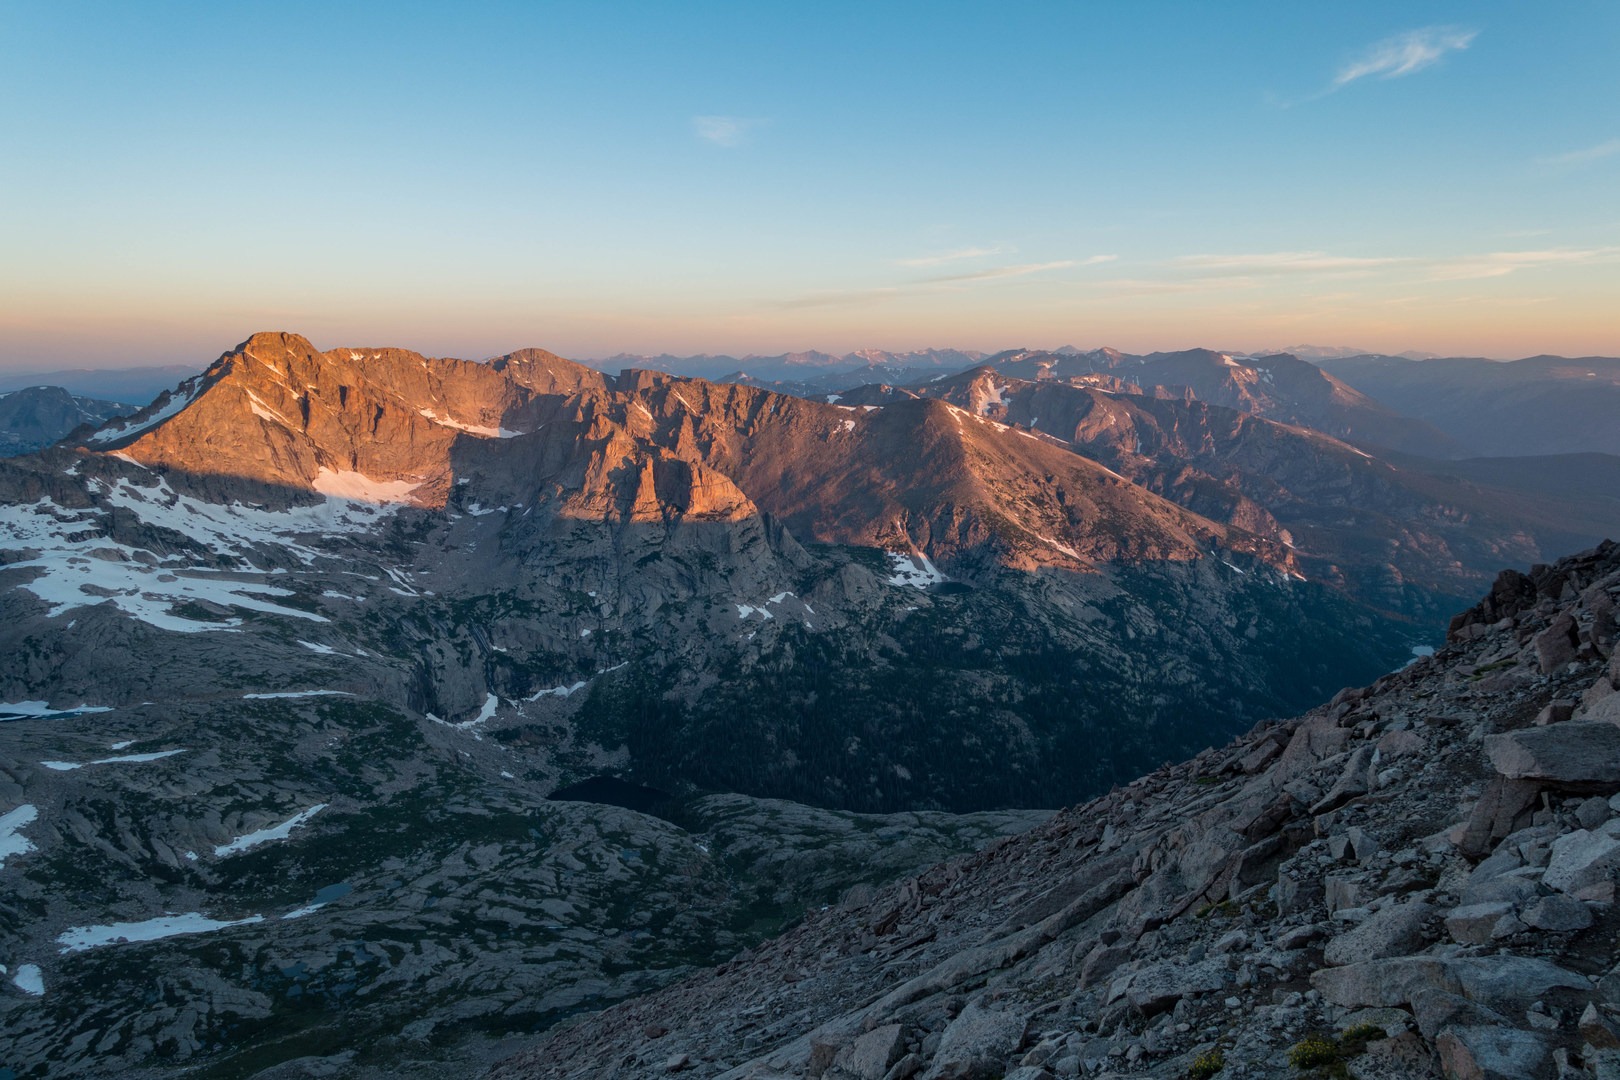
(603, 177)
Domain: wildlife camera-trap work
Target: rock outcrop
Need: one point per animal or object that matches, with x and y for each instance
(1417, 879)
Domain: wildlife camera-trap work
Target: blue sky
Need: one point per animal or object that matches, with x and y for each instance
(757, 177)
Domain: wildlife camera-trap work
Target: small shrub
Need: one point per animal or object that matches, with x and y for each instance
(1206, 1065)
(1353, 1040)
(1313, 1051)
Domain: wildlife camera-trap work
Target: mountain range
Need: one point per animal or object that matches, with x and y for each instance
(398, 706)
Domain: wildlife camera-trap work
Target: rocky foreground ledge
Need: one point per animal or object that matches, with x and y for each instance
(1415, 880)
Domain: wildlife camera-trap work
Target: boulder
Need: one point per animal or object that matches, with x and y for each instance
(1480, 924)
(1592, 812)
(1584, 858)
(1354, 781)
(872, 1055)
(1555, 712)
(1604, 711)
(1557, 645)
(1510, 983)
(1394, 931)
(1491, 1053)
(1436, 1010)
(977, 1044)
(1496, 813)
(1579, 753)
(1383, 983)
(1505, 982)
(1157, 987)
(1557, 913)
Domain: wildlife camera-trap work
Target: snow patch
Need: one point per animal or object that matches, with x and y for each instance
(69, 766)
(22, 710)
(993, 396)
(358, 487)
(264, 411)
(77, 566)
(29, 980)
(264, 836)
(557, 691)
(481, 430)
(81, 938)
(12, 822)
(126, 426)
(913, 570)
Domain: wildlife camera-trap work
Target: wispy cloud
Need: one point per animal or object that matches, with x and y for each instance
(1502, 263)
(723, 130)
(1280, 262)
(1174, 286)
(840, 298)
(1405, 54)
(953, 256)
(944, 283)
(1585, 155)
(996, 272)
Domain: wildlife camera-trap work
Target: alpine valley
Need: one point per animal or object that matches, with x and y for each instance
(366, 713)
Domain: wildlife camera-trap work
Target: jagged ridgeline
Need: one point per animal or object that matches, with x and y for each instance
(706, 586)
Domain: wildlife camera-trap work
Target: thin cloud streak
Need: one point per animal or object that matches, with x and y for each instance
(1503, 263)
(723, 130)
(1205, 272)
(1000, 272)
(941, 284)
(1281, 262)
(1406, 54)
(841, 298)
(953, 256)
(1586, 155)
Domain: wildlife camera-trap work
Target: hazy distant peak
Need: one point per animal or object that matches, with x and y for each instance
(1316, 353)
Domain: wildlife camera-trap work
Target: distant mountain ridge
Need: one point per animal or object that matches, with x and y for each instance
(1537, 405)
(134, 386)
(37, 416)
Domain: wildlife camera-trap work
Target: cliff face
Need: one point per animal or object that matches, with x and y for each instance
(1415, 880)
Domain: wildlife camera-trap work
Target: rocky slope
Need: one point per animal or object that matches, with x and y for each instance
(1415, 880)
(37, 416)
